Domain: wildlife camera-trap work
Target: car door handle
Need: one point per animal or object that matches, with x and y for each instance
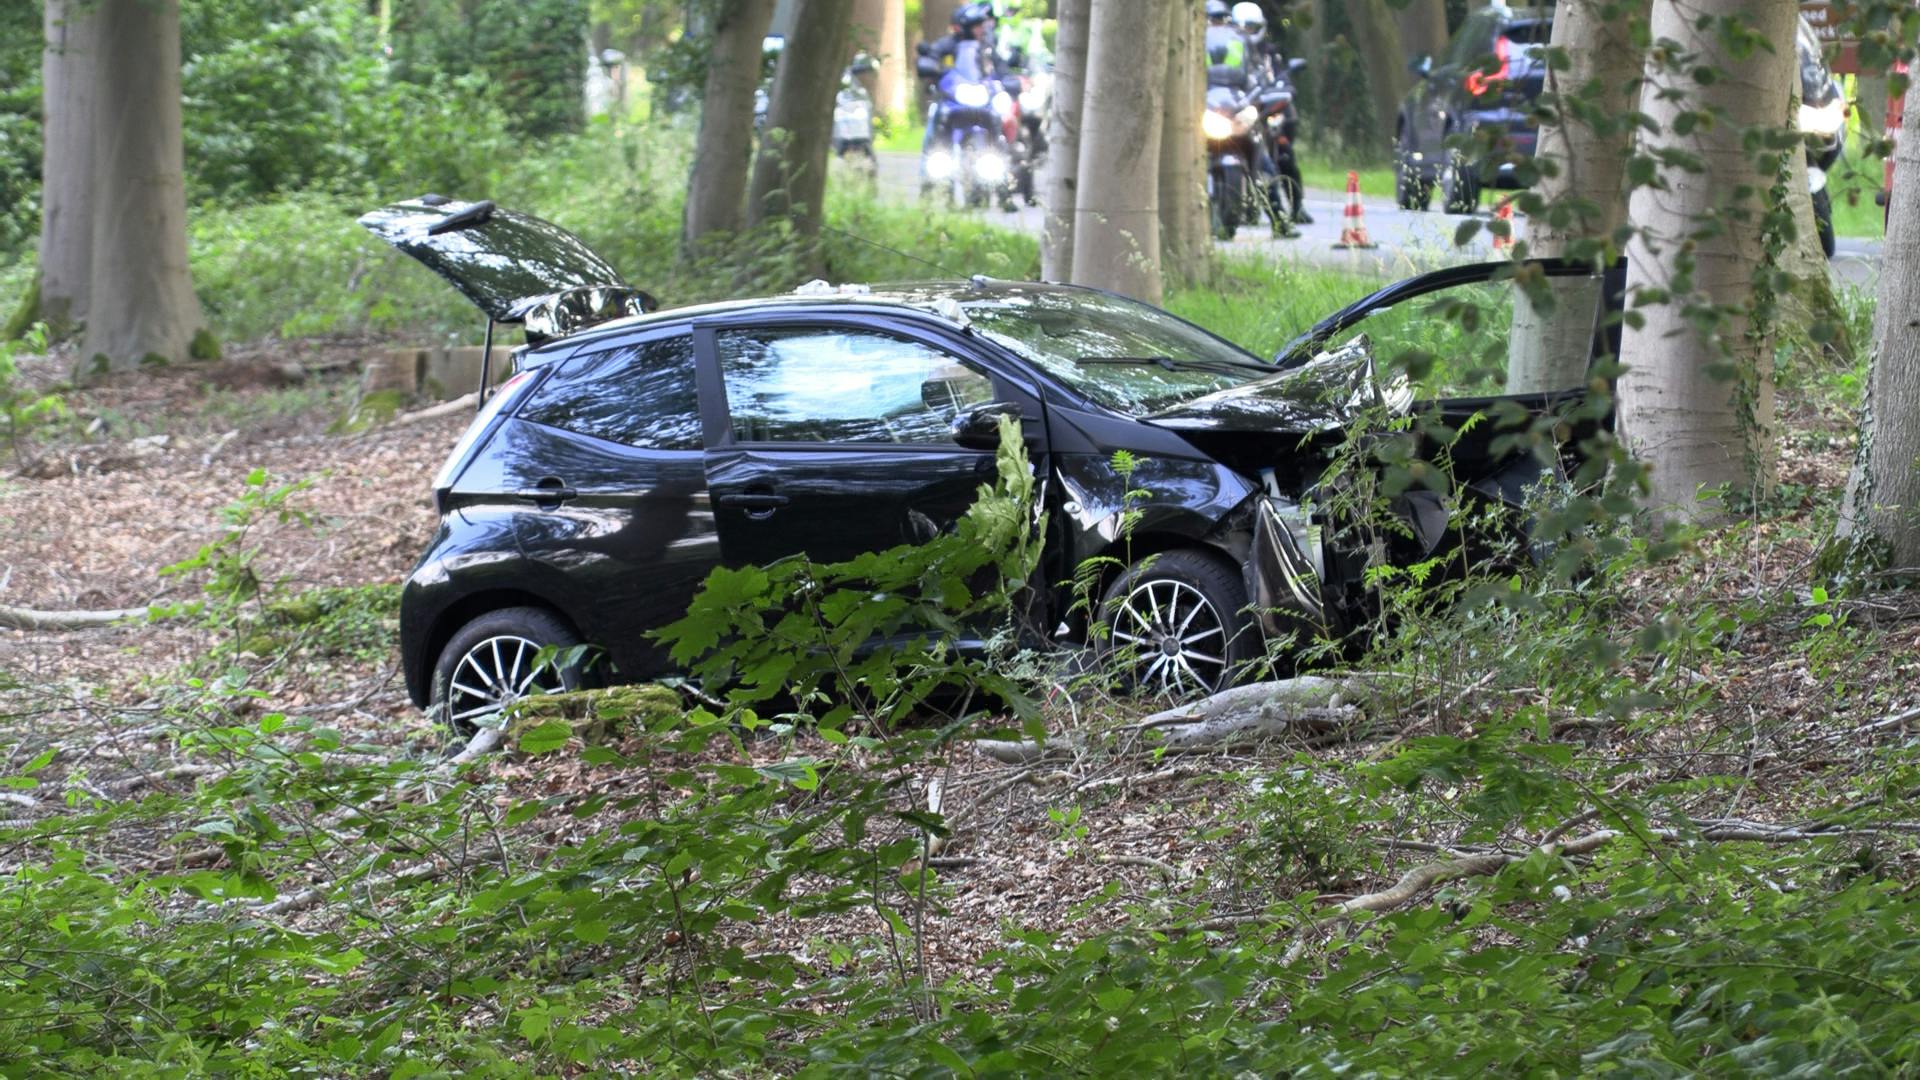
(754, 500)
(550, 490)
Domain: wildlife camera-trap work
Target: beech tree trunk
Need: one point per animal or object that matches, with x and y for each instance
(880, 29)
(1377, 37)
(1423, 28)
(1811, 300)
(1582, 153)
(790, 174)
(66, 170)
(722, 154)
(1184, 235)
(1678, 411)
(1880, 516)
(1116, 227)
(141, 306)
(935, 17)
(1059, 188)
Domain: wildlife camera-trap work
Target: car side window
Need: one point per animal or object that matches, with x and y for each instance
(641, 395)
(843, 385)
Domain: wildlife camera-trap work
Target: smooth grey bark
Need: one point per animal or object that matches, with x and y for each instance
(790, 173)
(141, 306)
(1377, 37)
(1880, 516)
(1677, 412)
(66, 163)
(1116, 224)
(1059, 186)
(722, 154)
(1423, 27)
(1184, 236)
(1582, 154)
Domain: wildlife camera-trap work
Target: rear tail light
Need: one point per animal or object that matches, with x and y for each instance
(1479, 82)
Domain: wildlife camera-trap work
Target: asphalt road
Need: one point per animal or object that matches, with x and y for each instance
(1408, 242)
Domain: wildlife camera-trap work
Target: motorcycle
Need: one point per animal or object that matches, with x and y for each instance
(1028, 136)
(853, 126)
(968, 152)
(1234, 195)
(1280, 126)
(1823, 117)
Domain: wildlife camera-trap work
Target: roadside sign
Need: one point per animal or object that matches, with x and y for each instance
(1828, 22)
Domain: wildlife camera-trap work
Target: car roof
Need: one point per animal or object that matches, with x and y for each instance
(922, 298)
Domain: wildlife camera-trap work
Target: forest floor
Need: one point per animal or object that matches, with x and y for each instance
(137, 480)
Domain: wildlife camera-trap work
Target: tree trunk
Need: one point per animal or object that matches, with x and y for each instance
(66, 186)
(1582, 157)
(880, 29)
(1423, 28)
(1184, 235)
(1116, 227)
(790, 174)
(1378, 39)
(141, 305)
(1694, 429)
(1059, 185)
(1880, 517)
(717, 189)
(1811, 301)
(935, 17)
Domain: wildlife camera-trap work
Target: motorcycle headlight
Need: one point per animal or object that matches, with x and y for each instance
(990, 168)
(972, 95)
(1216, 126)
(939, 165)
(1824, 120)
(1030, 101)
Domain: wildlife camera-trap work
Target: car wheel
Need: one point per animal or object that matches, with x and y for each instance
(490, 663)
(1459, 188)
(1175, 625)
(1823, 221)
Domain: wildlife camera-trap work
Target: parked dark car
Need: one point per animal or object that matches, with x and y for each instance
(632, 451)
(1455, 93)
(1486, 81)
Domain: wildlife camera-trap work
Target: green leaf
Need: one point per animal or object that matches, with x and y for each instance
(545, 738)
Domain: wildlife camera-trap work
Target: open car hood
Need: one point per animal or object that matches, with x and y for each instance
(507, 263)
(1331, 390)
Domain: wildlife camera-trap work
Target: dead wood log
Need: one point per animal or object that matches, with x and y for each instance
(464, 403)
(1238, 716)
(19, 618)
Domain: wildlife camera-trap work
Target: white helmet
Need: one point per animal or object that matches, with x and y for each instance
(1249, 17)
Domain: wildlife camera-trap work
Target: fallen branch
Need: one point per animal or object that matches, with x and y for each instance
(1147, 861)
(1238, 716)
(310, 897)
(463, 403)
(19, 618)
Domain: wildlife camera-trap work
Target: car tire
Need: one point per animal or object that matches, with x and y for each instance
(1823, 221)
(1459, 187)
(488, 663)
(1176, 625)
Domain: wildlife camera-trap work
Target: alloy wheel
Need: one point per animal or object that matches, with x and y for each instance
(1174, 639)
(495, 673)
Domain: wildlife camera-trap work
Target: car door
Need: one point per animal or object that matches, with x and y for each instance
(604, 464)
(835, 439)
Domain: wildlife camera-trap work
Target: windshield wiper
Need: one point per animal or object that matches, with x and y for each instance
(1171, 364)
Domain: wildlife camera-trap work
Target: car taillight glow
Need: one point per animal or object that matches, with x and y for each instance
(1479, 82)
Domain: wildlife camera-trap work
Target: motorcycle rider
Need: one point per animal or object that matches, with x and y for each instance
(1270, 69)
(971, 22)
(1230, 64)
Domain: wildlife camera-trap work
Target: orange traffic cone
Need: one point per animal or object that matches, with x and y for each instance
(1503, 238)
(1353, 226)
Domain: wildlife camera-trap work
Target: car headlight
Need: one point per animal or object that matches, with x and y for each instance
(1216, 126)
(1824, 120)
(972, 95)
(991, 168)
(939, 165)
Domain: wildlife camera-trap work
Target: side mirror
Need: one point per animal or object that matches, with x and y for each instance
(1297, 65)
(927, 67)
(978, 428)
(1420, 65)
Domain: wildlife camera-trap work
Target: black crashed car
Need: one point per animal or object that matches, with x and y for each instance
(633, 450)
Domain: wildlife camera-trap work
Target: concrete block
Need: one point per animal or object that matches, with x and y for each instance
(448, 373)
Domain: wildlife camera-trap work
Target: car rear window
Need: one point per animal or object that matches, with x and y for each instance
(641, 395)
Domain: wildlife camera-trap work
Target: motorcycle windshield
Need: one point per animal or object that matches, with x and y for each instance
(501, 260)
